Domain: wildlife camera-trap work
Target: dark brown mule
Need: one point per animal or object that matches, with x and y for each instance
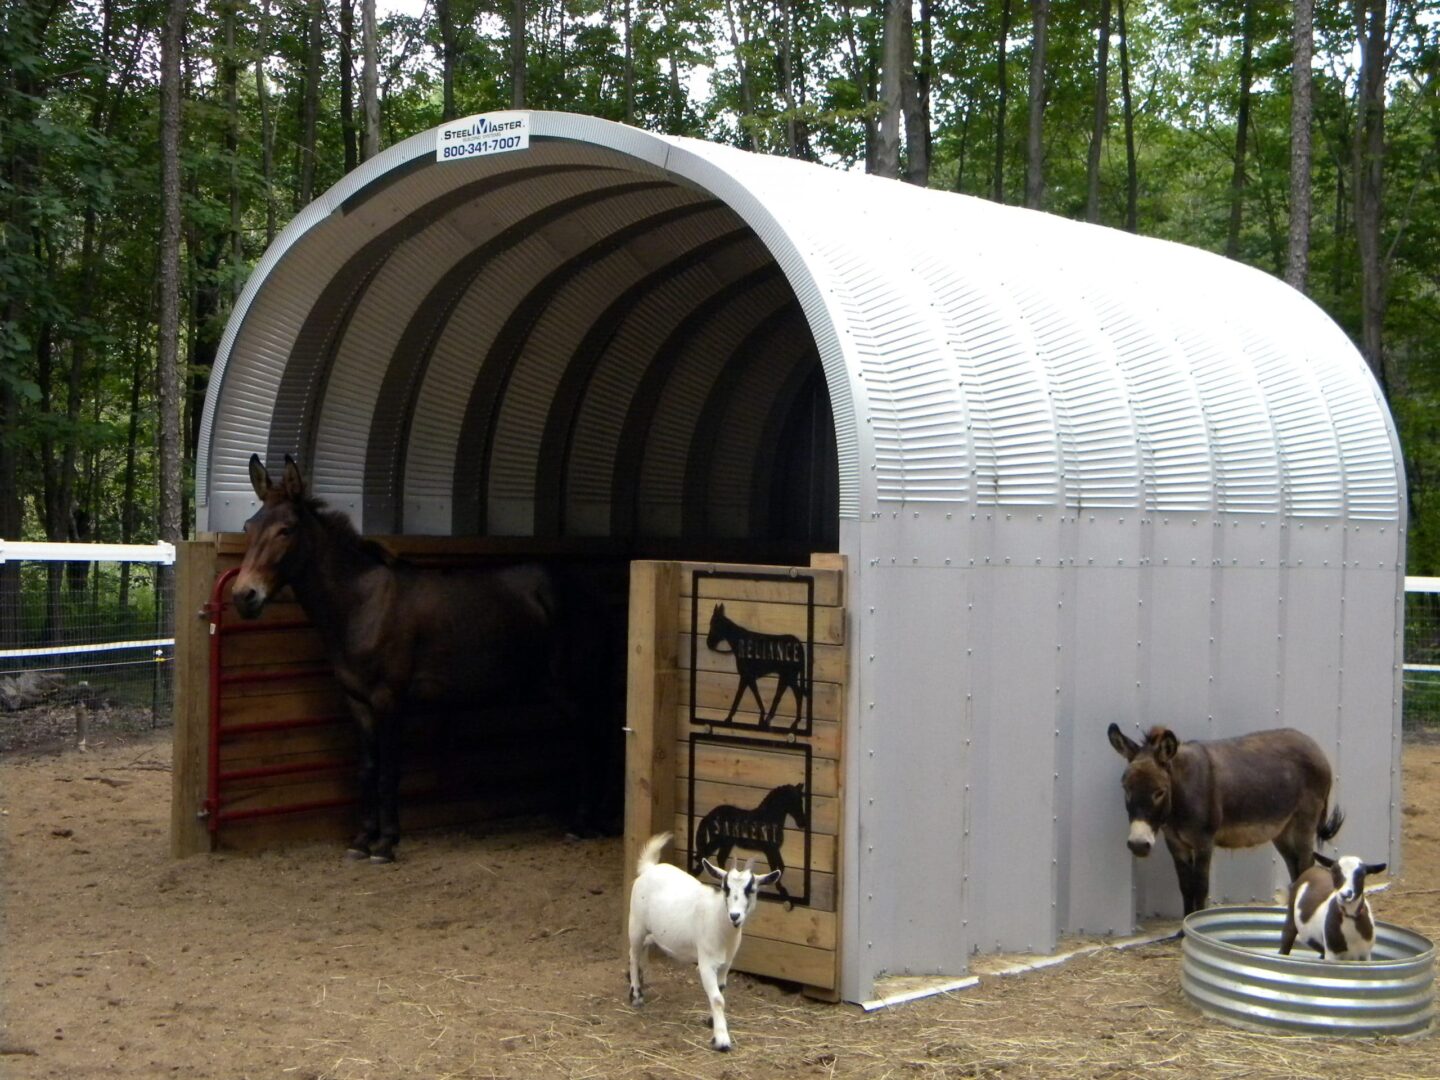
(400, 636)
(1233, 793)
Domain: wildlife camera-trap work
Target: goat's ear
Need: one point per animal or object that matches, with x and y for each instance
(713, 870)
(1324, 860)
(1125, 746)
(767, 879)
(1375, 868)
(1166, 746)
(294, 482)
(259, 478)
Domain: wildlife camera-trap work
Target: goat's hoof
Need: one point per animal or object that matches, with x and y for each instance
(355, 853)
(723, 1047)
(637, 998)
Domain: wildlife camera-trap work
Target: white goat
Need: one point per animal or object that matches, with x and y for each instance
(1327, 909)
(692, 922)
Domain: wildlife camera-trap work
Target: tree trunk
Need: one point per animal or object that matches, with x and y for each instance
(630, 60)
(231, 71)
(1003, 105)
(1132, 183)
(311, 103)
(1034, 146)
(517, 54)
(370, 81)
(887, 150)
(445, 15)
(170, 377)
(862, 84)
(742, 68)
(915, 109)
(347, 83)
(267, 122)
(1102, 114)
(787, 77)
(1369, 144)
(127, 499)
(1297, 256)
(1242, 130)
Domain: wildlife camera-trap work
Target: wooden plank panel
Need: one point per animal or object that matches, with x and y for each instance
(783, 960)
(792, 850)
(652, 697)
(786, 591)
(241, 651)
(771, 619)
(828, 661)
(824, 813)
(740, 765)
(282, 705)
(715, 690)
(800, 926)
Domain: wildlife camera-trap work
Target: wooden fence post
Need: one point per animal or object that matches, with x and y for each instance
(195, 567)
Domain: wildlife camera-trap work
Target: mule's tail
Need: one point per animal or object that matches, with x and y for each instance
(1329, 827)
(650, 853)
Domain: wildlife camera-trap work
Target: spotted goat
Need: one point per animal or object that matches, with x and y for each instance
(1328, 911)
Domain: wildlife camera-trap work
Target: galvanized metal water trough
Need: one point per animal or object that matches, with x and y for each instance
(1231, 969)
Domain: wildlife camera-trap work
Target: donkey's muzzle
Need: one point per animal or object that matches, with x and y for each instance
(1139, 847)
(248, 601)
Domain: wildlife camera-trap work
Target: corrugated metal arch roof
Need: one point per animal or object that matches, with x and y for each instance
(541, 342)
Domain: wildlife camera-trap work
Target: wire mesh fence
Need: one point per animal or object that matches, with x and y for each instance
(86, 641)
(1421, 695)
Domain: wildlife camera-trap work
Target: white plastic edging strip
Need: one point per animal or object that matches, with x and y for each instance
(23, 550)
(100, 646)
(1422, 584)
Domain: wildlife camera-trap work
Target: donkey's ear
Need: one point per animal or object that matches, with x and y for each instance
(1375, 868)
(1324, 860)
(1165, 746)
(294, 482)
(1125, 746)
(768, 879)
(259, 478)
(713, 870)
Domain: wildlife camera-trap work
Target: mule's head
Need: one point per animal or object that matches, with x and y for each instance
(718, 622)
(1348, 873)
(740, 888)
(274, 544)
(1149, 783)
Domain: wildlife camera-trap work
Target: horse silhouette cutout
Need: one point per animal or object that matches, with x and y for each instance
(762, 829)
(756, 656)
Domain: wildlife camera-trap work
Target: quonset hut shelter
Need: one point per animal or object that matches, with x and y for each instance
(1073, 476)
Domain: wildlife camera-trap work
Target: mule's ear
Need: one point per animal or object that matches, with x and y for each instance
(259, 478)
(1324, 860)
(1165, 746)
(1375, 868)
(768, 879)
(1125, 746)
(713, 870)
(294, 482)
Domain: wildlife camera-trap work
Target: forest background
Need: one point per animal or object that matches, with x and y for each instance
(150, 150)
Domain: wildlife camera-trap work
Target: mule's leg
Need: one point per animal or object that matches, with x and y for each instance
(1287, 934)
(735, 704)
(368, 775)
(772, 856)
(1296, 845)
(799, 703)
(388, 787)
(710, 980)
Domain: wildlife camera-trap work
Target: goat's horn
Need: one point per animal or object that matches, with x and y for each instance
(750, 865)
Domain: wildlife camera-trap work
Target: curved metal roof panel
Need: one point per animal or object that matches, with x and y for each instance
(545, 341)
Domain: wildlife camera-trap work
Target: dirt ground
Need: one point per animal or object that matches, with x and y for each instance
(499, 956)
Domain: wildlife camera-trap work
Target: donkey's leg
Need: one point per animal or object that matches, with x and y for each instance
(1296, 845)
(1192, 870)
(388, 785)
(368, 776)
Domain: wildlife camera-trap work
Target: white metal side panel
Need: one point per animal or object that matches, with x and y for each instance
(1175, 683)
(1101, 621)
(1015, 638)
(913, 904)
(1311, 613)
(1245, 697)
(1368, 764)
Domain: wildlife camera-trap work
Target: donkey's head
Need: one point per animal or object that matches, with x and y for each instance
(1149, 783)
(274, 550)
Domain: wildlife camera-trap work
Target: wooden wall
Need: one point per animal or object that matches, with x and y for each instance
(680, 696)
